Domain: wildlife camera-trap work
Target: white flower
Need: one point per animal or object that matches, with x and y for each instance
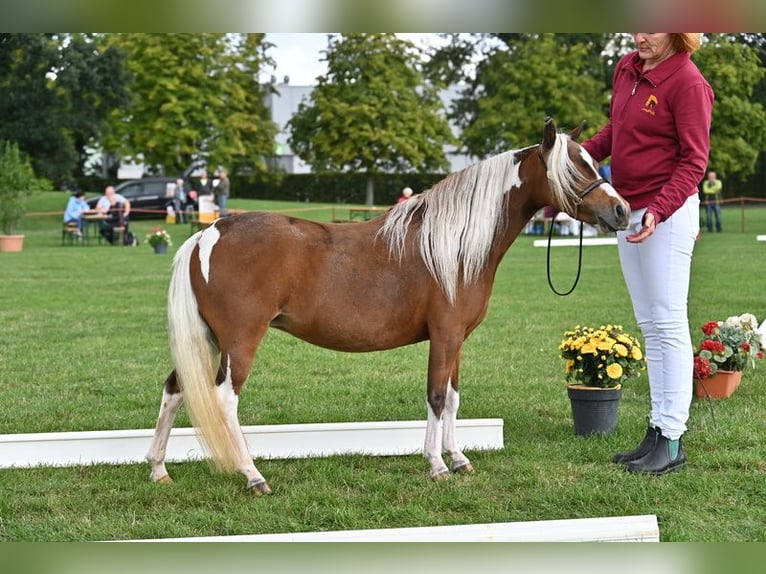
(749, 322)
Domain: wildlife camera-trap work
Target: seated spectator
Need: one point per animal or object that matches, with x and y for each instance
(75, 207)
(117, 207)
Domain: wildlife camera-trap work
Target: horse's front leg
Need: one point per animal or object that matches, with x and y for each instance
(441, 362)
(171, 402)
(459, 462)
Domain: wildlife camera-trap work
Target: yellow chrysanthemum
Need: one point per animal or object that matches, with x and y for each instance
(588, 349)
(614, 371)
(569, 366)
(606, 344)
(621, 350)
(635, 353)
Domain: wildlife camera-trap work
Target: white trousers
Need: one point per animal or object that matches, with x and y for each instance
(657, 275)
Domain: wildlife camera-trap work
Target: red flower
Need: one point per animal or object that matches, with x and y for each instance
(710, 328)
(759, 354)
(715, 347)
(746, 346)
(702, 369)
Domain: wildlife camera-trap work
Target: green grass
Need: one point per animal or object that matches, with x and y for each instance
(83, 346)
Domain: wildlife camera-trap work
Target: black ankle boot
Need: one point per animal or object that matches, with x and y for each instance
(646, 446)
(667, 456)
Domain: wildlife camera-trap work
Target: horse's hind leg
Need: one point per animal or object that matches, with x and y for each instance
(171, 401)
(235, 366)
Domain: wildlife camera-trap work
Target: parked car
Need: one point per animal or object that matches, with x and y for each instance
(149, 197)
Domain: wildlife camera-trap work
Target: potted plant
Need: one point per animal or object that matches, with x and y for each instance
(159, 239)
(17, 184)
(727, 349)
(597, 364)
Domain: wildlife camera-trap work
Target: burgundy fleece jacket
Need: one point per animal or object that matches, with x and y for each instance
(658, 135)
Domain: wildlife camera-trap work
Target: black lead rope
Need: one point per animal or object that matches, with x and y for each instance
(548, 262)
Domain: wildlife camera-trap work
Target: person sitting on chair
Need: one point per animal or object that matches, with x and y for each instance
(75, 207)
(117, 207)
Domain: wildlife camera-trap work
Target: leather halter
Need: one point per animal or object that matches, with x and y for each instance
(578, 196)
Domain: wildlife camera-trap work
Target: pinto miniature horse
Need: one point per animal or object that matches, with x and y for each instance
(441, 248)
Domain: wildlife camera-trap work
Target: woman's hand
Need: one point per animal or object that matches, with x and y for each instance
(646, 231)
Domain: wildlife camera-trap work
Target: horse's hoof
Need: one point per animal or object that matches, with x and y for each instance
(164, 480)
(466, 468)
(259, 489)
(440, 476)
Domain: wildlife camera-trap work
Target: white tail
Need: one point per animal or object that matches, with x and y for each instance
(195, 358)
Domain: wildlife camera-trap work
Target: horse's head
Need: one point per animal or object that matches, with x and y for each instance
(574, 183)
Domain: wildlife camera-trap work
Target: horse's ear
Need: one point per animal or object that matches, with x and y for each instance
(549, 133)
(575, 133)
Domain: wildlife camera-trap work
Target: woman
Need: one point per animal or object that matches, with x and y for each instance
(658, 137)
(75, 207)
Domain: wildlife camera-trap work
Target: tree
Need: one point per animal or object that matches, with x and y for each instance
(95, 80)
(372, 112)
(517, 87)
(738, 131)
(194, 96)
(58, 91)
(30, 106)
(17, 184)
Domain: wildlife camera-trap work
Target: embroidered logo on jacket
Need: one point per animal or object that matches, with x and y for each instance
(650, 103)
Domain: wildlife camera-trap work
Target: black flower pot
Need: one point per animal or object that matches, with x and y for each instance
(594, 410)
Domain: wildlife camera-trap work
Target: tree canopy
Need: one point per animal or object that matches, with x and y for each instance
(194, 96)
(170, 99)
(518, 85)
(372, 112)
(58, 91)
(738, 130)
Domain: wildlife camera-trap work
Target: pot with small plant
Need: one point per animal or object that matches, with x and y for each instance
(597, 364)
(17, 185)
(159, 239)
(727, 349)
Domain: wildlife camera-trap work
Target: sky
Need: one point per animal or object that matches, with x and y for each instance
(297, 55)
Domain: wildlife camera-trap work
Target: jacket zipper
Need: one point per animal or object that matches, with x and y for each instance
(635, 86)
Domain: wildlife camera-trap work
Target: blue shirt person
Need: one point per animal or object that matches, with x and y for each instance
(75, 207)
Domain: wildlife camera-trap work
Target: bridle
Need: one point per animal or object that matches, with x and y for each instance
(578, 198)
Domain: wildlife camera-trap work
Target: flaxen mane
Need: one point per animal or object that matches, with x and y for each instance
(462, 214)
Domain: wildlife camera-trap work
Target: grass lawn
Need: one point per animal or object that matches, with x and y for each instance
(83, 346)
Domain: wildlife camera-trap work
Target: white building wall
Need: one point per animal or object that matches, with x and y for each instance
(284, 105)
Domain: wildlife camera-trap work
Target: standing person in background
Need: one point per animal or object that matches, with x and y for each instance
(204, 187)
(660, 116)
(179, 201)
(711, 197)
(406, 194)
(75, 207)
(222, 191)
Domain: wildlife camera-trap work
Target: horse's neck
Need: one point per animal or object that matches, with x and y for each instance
(519, 212)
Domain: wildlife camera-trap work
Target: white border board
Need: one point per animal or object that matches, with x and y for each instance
(574, 242)
(265, 441)
(642, 528)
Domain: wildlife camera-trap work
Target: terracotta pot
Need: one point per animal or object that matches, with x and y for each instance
(594, 410)
(11, 243)
(720, 386)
